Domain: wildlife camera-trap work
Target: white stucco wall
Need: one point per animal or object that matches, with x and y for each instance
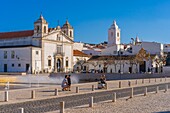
(16, 41)
(36, 60)
(151, 47)
(78, 46)
(22, 56)
(49, 50)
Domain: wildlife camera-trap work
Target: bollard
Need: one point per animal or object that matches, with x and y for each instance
(129, 83)
(114, 97)
(136, 82)
(131, 93)
(62, 107)
(149, 80)
(146, 90)
(21, 110)
(56, 92)
(92, 87)
(91, 102)
(120, 84)
(166, 87)
(142, 81)
(157, 89)
(106, 86)
(160, 79)
(33, 94)
(77, 89)
(6, 96)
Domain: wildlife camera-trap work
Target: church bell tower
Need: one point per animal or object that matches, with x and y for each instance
(40, 27)
(113, 35)
(68, 30)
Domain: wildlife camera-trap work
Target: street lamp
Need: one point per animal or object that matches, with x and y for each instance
(119, 54)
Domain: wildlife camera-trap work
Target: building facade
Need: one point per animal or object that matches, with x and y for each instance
(43, 49)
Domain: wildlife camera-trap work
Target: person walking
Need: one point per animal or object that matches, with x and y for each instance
(69, 82)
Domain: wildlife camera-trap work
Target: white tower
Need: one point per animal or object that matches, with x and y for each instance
(113, 35)
(68, 30)
(40, 27)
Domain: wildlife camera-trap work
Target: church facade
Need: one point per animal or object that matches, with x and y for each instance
(43, 49)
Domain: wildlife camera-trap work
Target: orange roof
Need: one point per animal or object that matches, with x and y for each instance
(16, 34)
(79, 53)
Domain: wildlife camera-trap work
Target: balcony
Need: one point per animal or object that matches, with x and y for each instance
(59, 53)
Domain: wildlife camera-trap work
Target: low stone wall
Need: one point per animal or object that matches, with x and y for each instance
(109, 76)
(166, 69)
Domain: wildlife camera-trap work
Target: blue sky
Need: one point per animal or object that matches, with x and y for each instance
(149, 19)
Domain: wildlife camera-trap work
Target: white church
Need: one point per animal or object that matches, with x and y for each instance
(43, 49)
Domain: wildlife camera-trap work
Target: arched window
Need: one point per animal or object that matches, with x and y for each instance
(45, 29)
(111, 34)
(58, 38)
(70, 33)
(117, 34)
(38, 28)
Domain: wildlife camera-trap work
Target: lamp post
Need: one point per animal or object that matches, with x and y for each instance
(119, 54)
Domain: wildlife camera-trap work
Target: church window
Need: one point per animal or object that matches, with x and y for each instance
(66, 63)
(49, 62)
(45, 29)
(64, 31)
(111, 34)
(58, 38)
(37, 53)
(38, 28)
(59, 49)
(117, 34)
(70, 33)
(5, 54)
(12, 65)
(12, 54)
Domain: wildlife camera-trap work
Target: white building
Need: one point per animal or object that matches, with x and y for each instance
(123, 57)
(79, 59)
(40, 50)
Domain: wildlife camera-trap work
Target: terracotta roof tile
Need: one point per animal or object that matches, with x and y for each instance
(79, 53)
(17, 34)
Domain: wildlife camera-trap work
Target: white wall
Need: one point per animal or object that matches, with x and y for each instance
(78, 46)
(16, 41)
(22, 56)
(36, 60)
(49, 50)
(151, 47)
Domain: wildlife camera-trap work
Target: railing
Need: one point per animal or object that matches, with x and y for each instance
(128, 88)
(58, 53)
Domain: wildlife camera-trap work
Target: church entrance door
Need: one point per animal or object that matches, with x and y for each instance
(58, 65)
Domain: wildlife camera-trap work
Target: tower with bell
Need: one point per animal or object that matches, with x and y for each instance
(113, 35)
(40, 27)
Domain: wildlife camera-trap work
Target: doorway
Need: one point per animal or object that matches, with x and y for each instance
(5, 67)
(143, 66)
(58, 65)
(27, 67)
(130, 69)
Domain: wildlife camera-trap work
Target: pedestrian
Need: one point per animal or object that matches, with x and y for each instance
(64, 84)
(69, 82)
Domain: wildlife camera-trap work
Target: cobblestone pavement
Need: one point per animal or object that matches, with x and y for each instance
(152, 103)
(52, 104)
